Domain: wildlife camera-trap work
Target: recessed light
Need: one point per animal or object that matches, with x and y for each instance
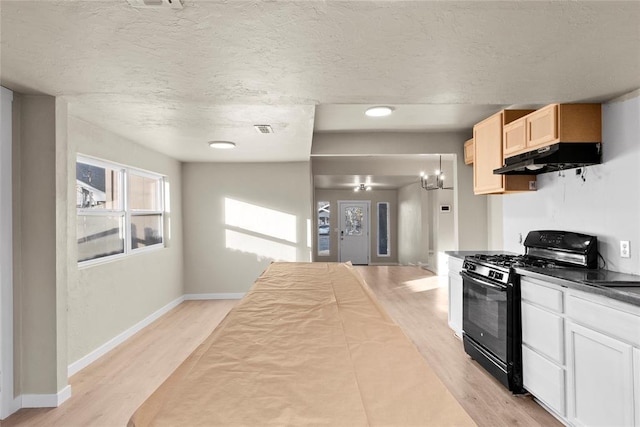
(380, 111)
(222, 145)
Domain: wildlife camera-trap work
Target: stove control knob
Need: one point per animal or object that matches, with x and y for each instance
(499, 276)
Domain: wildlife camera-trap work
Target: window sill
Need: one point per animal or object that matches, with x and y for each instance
(113, 258)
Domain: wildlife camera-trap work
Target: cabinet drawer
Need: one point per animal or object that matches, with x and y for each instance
(543, 379)
(610, 321)
(541, 295)
(543, 331)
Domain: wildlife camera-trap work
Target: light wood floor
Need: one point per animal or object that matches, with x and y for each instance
(419, 304)
(107, 392)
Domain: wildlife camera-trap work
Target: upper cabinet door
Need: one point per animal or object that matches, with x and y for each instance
(542, 126)
(514, 138)
(487, 137)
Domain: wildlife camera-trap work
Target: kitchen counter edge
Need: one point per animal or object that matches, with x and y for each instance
(630, 295)
(462, 254)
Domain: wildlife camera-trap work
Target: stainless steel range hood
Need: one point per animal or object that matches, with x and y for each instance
(560, 156)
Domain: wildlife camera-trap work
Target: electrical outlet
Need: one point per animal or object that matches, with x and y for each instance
(625, 249)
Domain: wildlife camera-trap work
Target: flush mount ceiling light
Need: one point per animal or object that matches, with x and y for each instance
(222, 145)
(380, 111)
(361, 187)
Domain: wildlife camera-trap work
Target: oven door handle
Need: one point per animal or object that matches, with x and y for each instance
(483, 283)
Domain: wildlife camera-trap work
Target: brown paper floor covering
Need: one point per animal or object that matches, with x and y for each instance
(308, 345)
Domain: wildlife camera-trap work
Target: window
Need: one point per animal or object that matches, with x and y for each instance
(324, 228)
(120, 210)
(383, 229)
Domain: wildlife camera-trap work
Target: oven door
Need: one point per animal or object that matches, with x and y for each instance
(485, 310)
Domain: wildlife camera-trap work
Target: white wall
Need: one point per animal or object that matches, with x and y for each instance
(424, 232)
(413, 225)
(107, 299)
(238, 217)
(606, 205)
(444, 234)
(495, 226)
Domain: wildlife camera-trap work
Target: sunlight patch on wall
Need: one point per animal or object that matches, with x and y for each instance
(258, 219)
(263, 248)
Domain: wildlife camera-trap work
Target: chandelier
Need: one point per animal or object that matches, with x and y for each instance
(435, 181)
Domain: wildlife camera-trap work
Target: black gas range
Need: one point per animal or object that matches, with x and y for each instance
(491, 322)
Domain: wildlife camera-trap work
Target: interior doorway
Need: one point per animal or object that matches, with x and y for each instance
(354, 243)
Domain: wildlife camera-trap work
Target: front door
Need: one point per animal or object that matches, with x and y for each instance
(354, 231)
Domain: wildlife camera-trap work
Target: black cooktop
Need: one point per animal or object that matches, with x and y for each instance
(507, 260)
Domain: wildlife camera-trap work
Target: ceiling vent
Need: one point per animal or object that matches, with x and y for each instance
(263, 128)
(156, 4)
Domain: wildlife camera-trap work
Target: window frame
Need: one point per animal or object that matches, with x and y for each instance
(126, 213)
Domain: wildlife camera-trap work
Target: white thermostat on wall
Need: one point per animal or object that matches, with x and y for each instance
(445, 208)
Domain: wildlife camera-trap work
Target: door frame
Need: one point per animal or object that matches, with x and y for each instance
(6, 257)
(368, 202)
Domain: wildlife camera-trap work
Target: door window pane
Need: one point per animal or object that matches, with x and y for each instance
(99, 236)
(144, 192)
(353, 220)
(98, 187)
(383, 229)
(146, 230)
(324, 228)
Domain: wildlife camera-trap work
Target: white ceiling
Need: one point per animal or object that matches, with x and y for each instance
(175, 79)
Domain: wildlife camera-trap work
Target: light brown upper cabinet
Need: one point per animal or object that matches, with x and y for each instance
(487, 156)
(514, 137)
(551, 124)
(468, 152)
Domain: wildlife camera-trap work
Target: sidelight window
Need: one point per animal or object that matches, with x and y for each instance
(383, 229)
(324, 228)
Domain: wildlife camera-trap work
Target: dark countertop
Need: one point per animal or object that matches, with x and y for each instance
(462, 254)
(620, 286)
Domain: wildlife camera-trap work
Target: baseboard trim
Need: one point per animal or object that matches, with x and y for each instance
(13, 406)
(191, 297)
(85, 361)
(383, 263)
(45, 400)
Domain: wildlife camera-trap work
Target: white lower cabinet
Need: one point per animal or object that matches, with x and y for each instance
(544, 379)
(601, 379)
(455, 295)
(636, 387)
(581, 354)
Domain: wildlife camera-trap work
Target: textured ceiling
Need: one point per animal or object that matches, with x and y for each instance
(174, 79)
